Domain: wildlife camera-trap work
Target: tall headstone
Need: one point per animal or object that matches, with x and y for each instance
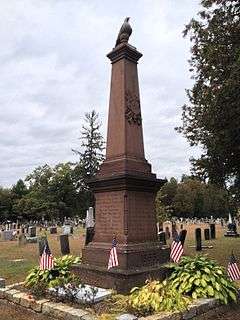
(124, 189)
(198, 239)
(182, 236)
(174, 230)
(213, 230)
(168, 234)
(89, 226)
(162, 237)
(32, 231)
(22, 240)
(206, 234)
(42, 242)
(64, 244)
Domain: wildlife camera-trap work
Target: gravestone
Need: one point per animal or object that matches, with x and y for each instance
(213, 230)
(7, 235)
(182, 236)
(124, 189)
(66, 229)
(162, 237)
(22, 240)
(2, 283)
(42, 242)
(174, 230)
(89, 224)
(53, 230)
(32, 231)
(198, 239)
(64, 244)
(167, 233)
(232, 228)
(206, 234)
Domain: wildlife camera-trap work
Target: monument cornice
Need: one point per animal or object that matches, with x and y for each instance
(124, 51)
(126, 182)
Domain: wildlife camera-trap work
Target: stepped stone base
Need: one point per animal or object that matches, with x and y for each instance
(118, 279)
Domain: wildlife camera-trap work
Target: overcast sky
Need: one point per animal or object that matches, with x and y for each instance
(53, 69)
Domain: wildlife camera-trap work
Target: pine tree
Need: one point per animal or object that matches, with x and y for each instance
(91, 155)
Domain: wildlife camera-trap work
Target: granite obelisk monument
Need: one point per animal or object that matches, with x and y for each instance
(124, 188)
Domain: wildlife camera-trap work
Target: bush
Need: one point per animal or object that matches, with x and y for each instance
(157, 296)
(42, 279)
(201, 277)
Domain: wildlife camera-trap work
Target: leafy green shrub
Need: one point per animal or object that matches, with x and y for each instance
(201, 277)
(157, 296)
(40, 279)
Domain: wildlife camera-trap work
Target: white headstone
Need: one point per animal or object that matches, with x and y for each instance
(90, 218)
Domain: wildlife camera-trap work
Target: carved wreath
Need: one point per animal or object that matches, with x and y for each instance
(132, 113)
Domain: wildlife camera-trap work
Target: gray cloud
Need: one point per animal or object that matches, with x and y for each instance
(54, 68)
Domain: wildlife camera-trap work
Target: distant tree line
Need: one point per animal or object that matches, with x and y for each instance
(192, 197)
(59, 191)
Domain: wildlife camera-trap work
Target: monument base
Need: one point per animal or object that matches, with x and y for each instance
(231, 234)
(117, 279)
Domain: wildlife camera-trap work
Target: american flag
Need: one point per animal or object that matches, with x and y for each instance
(46, 259)
(232, 268)
(176, 250)
(113, 258)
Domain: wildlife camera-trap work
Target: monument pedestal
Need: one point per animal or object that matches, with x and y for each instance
(125, 209)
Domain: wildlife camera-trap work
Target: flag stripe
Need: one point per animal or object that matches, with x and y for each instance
(46, 259)
(113, 258)
(232, 269)
(176, 251)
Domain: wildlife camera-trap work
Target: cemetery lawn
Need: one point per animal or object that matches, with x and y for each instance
(16, 261)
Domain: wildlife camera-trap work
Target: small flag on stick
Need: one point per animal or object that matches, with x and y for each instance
(113, 258)
(176, 249)
(232, 268)
(46, 259)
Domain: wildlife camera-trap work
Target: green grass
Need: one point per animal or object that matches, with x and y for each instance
(17, 271)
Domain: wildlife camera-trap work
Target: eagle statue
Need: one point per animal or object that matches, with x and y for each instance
(124, 32)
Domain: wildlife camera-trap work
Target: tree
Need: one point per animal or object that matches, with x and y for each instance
(6, 203)
(52, 193)
(191, 198)
(212, 117)
(19, 189)
(91, 155)
(164, 200)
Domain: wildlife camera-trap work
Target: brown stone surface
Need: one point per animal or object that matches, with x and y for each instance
(125, 189)
(120, 280)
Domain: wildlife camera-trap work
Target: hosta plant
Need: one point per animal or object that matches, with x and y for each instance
(156, 296)
(201, 277)
(51, 278)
